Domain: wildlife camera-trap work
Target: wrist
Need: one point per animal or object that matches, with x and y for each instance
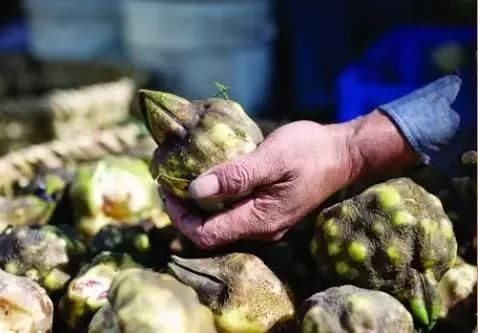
(376, 146)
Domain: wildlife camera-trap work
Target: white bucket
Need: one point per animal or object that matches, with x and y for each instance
(191, 44)
(77, 30)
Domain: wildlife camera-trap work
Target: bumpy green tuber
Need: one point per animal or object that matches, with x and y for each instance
(149, 302)
(115, 190)
(193, 137)
(36, 206)
(394, 237)
(349, 309)
(24, 305)
(244, 295)
(458, 291)
(134, 240)
(46, 254)
(104, 321)
(23, 211)
(87, 292)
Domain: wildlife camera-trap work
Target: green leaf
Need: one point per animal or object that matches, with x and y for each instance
(222, 90)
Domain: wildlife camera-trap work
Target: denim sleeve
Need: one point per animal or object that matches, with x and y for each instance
(432, 127)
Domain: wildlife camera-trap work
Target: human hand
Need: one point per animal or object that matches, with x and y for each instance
(296, 168)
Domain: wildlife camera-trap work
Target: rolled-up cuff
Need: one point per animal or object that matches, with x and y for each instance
(427, 121)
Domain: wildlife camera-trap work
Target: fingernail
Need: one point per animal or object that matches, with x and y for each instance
(204, 187)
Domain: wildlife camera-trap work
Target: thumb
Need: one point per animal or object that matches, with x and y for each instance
(237, 177)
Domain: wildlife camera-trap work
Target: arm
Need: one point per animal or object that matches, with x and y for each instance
(301, 164)
(428, 121)
(296, 168)
(378, 147)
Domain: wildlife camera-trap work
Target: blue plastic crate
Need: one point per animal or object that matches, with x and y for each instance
(13, 37)
(397, 64)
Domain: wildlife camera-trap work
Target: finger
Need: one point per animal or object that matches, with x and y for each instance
(193, 226)
(240, 176)
(277, 236)
(244, 221)
(186, 222)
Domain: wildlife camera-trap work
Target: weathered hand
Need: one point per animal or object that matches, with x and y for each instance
(296, 168)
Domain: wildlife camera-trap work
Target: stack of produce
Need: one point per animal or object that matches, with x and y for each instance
(88, 247)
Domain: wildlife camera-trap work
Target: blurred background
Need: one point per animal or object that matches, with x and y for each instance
(282, 60)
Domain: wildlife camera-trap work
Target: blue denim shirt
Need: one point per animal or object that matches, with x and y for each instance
(427, 119)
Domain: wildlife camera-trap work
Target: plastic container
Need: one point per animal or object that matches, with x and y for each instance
(403, 60)
(79, 30)
(191, 44)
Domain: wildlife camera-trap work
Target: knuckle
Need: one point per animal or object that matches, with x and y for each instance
(271, 228)
(237, 177)
(275, 157)
(276, 153)
(274, 225)
(203, 242)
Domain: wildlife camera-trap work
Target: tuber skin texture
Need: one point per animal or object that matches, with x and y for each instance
(457, 289)
(394, 236)
(193, 137)
(25, 306)
(242, 292)
(47, 254)
(87, 292)
(115, 190)
(145, 301)
(348, 309)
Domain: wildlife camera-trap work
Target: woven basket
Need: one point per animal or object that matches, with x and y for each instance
(42, 101)
(22, 165)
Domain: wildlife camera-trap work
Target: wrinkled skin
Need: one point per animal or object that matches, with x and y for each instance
(458, 291)
(24, 306)
(115, 190)
(87, 292)
(193, 137)
(149, 302)
(394, 237)
(296, 168)
(349, 309)
(46, 254)
(244, 295)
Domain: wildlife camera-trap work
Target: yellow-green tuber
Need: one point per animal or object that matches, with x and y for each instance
(393, 237)
(349, 309)
(149, 302)
(115, 190)
(193, 137)
(47, 254)
(87, 292)
(24, 305)
(243, 293)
